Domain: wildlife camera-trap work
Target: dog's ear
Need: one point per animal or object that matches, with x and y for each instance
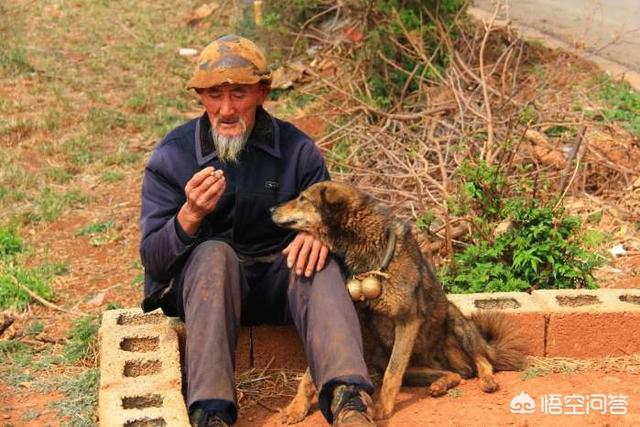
(333, 197)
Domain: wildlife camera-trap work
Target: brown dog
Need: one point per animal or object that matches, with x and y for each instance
(411, 331)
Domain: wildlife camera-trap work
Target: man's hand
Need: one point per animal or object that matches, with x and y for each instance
(203, 191)
(306, 253)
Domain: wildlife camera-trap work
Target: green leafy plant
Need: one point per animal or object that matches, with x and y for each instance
(50, 204)
(13, 296)
(13, 60)
(34, 328)
(623, 103)
(82, 342)
(101, 233)
(10, 243)
(538, 247)
(111, 177)
(423, 222)
(81, 398)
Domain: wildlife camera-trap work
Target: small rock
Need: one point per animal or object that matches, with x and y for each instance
(617, 250)
(97, 300)
(187, 51)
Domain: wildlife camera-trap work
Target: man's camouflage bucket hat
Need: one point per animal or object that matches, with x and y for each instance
(230, 59)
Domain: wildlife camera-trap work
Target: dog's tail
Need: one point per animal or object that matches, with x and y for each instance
(506, 349)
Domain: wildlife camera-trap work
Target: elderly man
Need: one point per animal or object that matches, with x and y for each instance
(213, 256)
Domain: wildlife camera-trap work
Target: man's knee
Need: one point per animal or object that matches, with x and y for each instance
(211, 265)
(329, 281)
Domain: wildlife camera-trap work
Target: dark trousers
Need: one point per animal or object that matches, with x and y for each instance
(219, 293)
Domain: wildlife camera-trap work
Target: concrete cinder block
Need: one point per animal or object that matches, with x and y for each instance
(140, 373)
(280, 343)
(527, 315)
(125, 407)
(591, 323)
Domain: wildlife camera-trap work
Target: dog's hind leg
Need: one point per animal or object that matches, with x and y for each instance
(299, 406)
(405, 337)
(438, 380)
(488, 383)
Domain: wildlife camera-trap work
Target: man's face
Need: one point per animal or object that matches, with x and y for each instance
(232, 107)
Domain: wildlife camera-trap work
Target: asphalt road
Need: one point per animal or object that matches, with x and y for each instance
(609, 28)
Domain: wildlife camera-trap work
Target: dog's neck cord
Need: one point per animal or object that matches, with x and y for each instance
(391, 246)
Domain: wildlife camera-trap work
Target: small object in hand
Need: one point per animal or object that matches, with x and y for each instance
(371, 287)
(355, 289)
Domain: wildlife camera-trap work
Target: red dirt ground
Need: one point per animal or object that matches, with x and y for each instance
(472, 407)
(14, 405)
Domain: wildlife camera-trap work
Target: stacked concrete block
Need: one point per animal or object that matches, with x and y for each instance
(140, 354)
(591, 323)
(140, 375)
(568, 323)
(526, 314)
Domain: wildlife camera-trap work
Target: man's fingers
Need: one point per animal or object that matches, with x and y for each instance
(322, 258)
(213, 192)
(293, 249)
(303, 255)
(199, 177)
(314, 255)
(195, 194)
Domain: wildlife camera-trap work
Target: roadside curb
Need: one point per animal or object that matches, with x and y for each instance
(615, 69)
(567, 323)
(140, 373)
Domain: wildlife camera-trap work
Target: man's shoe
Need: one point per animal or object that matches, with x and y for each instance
(351, 406)
(199, 418)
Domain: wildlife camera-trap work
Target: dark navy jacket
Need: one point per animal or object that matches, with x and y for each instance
(278, 162)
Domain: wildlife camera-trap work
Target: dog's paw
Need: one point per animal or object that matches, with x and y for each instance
(488, 384)
(294, 413)
(381, 411)
(438, 388)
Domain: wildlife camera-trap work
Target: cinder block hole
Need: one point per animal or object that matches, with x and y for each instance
(632, 299)
(140, 402)
(140, 345)
(496, 303)
(146, 422)
(577, 301)
(139, 368)
(140, 319)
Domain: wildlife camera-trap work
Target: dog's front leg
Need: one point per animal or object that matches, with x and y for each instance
(299, 406)
(405, 337)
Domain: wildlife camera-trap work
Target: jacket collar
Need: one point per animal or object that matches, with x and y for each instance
(265, 136)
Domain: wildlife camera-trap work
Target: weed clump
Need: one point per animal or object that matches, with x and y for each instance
(81, 398)
(15, 277)
(519, 243)
(623, 103)
(82, 343)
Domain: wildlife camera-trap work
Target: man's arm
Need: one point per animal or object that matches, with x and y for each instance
(169, 214)
(203, 191)
(306, 253)
(160, 245)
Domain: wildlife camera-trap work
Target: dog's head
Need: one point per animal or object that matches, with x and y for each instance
(321, 210)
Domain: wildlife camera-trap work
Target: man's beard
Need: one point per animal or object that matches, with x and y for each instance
(230, 147)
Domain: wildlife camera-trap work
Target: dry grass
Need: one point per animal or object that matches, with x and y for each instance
(266, 386)
(540, 366)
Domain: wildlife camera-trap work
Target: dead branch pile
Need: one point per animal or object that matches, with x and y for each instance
(409, 156)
